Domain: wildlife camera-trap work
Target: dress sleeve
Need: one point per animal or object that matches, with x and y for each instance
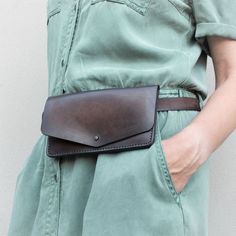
(214, 17)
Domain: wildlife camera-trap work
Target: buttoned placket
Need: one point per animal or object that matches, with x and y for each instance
(52, 229)
(71, 27)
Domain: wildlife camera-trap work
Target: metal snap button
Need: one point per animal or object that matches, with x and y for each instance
(96, 138)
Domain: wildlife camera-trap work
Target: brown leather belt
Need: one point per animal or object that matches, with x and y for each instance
(107, 120)
(175, 103)
(178, 103)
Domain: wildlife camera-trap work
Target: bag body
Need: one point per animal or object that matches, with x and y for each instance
(104, 120)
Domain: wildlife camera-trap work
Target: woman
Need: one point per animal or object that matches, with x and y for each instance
(162, 190)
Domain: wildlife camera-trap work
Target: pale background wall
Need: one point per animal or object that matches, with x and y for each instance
(23, 90)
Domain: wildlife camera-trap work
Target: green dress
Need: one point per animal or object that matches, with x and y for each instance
(95, 44)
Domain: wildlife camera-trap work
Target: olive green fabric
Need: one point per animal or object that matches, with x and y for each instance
(100, 44)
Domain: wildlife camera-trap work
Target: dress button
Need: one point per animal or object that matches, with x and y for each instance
(55, 178)
(62, 62)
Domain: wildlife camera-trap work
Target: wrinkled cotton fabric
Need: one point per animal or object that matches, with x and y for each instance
(100, 44)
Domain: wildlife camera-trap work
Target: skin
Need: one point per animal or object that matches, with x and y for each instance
(214, 123)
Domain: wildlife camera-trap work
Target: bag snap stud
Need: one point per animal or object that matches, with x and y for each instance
(96, 138)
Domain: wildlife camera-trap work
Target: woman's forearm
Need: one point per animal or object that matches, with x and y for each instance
(217, 119)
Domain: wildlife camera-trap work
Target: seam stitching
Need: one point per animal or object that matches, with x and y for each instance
(63, 51)
(216, 23)
(180, 10)
(165, 170)
(89, 150)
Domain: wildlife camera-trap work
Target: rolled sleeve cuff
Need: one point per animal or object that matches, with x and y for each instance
(211, 29)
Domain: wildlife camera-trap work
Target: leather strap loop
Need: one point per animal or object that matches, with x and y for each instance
(178, 103)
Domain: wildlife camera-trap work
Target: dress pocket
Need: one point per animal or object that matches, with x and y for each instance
(162, 161)
(139, 6)
(174, 122)
(53, 8)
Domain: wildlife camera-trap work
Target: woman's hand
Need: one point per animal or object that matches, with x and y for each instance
(188, 149)
(185, 152)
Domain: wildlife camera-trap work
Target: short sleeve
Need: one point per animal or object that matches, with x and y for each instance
(214, 17)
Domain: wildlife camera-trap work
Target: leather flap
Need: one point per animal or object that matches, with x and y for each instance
(99, 117)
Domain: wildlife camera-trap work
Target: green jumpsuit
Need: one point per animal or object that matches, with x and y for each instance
(95, 44)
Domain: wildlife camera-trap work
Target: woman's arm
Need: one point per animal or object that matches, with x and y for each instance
(218, 117)
(213, 124)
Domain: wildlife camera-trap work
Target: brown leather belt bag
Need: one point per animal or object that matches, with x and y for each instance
(106, 120)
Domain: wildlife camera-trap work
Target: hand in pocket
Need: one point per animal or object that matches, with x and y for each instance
(183, 157)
